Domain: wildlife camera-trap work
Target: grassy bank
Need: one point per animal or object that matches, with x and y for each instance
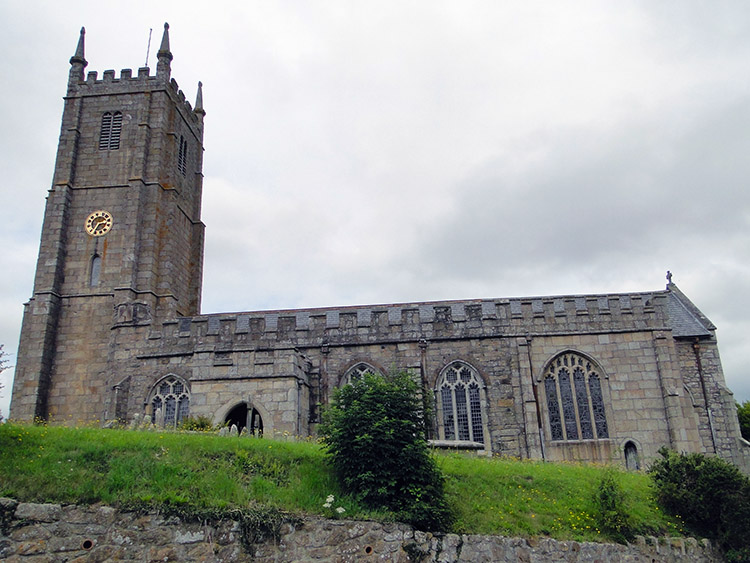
(206, 472)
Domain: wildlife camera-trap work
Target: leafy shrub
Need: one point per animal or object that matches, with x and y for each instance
(743, 414)
(197, 424)
(374, 433)
(612, 510)
(709, 494)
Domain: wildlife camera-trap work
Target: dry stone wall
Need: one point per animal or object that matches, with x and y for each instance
(50, 533)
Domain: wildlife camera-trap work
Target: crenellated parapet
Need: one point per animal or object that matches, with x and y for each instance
(128, 83)
(431, 321)
(142, 82)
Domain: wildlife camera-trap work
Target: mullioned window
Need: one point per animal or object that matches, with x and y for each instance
(575, 405)
(460, 401)
(358, 372)
(170, 401)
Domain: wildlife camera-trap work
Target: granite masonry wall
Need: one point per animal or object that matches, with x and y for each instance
(287, 363)
(53, 533)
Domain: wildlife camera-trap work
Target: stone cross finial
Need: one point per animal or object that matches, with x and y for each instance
(669, 276)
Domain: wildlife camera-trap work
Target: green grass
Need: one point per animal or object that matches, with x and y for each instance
(534, 498)
(207, 472)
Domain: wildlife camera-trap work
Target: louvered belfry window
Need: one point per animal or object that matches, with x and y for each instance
(182, 156)
(459, 391)
(109, 136)
(575, 405)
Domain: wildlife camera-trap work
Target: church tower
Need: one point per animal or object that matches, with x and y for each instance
(122, 238)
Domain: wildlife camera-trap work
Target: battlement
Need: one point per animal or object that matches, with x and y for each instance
(127, 83)
(440, 320)
(144, 81)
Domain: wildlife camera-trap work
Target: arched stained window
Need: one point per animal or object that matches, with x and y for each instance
(109, 136)
(170, 401)
(575, 405)
(357, 372)
(460, 400)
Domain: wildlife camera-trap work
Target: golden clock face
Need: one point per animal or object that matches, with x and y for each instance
(98, 223)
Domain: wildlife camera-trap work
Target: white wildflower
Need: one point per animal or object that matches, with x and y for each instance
(341, 510)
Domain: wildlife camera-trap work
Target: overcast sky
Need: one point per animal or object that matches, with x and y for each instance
(374, 152)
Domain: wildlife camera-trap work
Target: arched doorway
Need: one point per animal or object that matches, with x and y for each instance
(244, 416)
(632, 463)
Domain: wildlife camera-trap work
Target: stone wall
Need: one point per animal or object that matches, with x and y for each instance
(287, 363)
(50, 532)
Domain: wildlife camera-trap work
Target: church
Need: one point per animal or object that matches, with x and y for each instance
(114, 331)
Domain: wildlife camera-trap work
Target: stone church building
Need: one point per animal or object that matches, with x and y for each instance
(114, 328)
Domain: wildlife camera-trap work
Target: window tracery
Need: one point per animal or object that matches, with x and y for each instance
(459, 392)
(170, 401)
(575, 405)
(357, 372)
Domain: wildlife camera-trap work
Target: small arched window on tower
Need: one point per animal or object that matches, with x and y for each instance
(460, 396)
(575, 405)
(96, 268)
(109, 136)
(182, 156)
(357, 372)
(170, 401)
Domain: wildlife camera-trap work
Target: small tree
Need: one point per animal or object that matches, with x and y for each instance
(374, 431)
(743, 413)
(711, 496)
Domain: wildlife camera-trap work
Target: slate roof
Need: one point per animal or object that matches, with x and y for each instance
(685, 318)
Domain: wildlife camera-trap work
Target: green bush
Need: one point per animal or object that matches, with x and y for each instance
(197, 424)
(709, 494)
(374, 433)
(743, 414)
(612, 510)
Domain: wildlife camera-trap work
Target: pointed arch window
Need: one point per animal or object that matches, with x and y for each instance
(460, 396)
(109, 136)
(182, 156)
(575, 405)
(357, 372)
(169, 401)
